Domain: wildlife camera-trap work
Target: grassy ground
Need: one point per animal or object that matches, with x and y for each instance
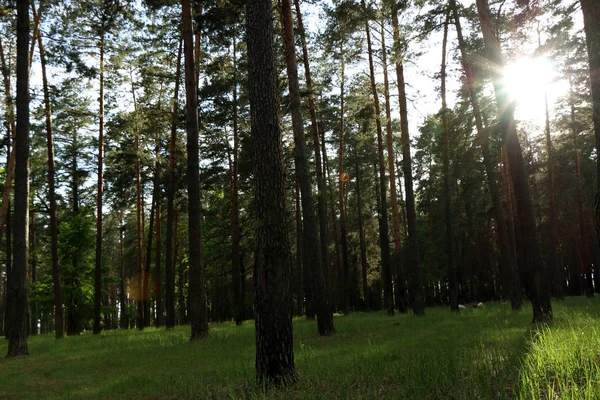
(488, 353)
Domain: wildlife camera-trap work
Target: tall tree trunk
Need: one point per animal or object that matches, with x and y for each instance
(148, 259)
(553, 239)
(236, 262)
(591, 24)
(274, 341)
(447, 205)
(58, 310)
(335, 266)
(10, 117)
(123, 320)
(398, 271)
(384, 238)
(33, 312)
(299, 275)
(169, 254)
(160, 307)
(344, 264)
(416, 284)
(139, 232)
(98, 266)
(322, 198)
(310, 238)
(197, 290)
(508, 258)
(532, 262)
(363, 247)
(17, 291)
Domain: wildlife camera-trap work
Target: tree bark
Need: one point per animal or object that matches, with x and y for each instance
(322, 198)
(384, 238)
(197, 291)
(532, 262)
(299, 275)
(58, 310)
(236, 265)
(363, 247)
(591, 24)
(416, 284)
(123, 320)
(169, 254)
(343, 248)
(148, 259)
(98, 265)
(17, 291)
(160, 307)
(398, 272)
(274, 341)
(508, 258)
(447, 204)
(310, 237)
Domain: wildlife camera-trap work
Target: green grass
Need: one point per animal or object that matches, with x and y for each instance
(489, 353)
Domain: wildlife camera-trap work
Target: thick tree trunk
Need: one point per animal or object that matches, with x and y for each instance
(508, 258)
(447, 204)
(384, 238)
(98, 265)
(197, 292)
(17, 291)
(312, 254)
(58, 311)
(398, 271)
(416, 284)
(591, 24)
(532, 262)
(274, 341)
(169, 254)
(236, 262)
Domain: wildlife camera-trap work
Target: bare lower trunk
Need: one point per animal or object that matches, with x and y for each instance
(197, 294)
(535, 271)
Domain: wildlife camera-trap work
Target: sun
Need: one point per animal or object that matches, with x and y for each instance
(528, 81)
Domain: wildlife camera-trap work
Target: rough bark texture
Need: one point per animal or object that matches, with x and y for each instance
(158, 291)
(591, 23)
(384, 236)
(98, 265)
(398, 272)
(274, 340)
(197, 287)
(447, 204)
(58, 311)
(532, 260)
(148, 260)
(508, 258)
(17, 291)
(312, 253)
(298, 273)
(169, 255)
(416, 284)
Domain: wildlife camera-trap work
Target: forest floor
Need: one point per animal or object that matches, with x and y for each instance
(488, 353)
